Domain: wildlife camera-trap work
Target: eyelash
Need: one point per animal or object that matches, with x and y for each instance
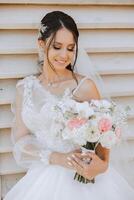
(58, 48)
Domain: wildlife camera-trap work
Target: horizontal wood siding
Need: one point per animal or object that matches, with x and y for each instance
(107, 35)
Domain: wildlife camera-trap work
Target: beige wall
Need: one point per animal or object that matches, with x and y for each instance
(107, 34)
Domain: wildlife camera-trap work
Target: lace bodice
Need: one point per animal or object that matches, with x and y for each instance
(34, 134)
(39, 118)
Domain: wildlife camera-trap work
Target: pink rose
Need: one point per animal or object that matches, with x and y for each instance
(105, 124)
(118, 132)
(76, 123)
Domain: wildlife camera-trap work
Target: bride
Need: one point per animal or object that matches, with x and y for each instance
(52, 162)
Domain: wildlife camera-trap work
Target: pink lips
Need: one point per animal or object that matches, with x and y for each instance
(60, 61)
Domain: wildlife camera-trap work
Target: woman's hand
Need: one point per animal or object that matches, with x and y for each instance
(89, 169)
(63, 159)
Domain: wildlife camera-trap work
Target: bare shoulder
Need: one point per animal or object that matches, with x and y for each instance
(79, 76)
(87, 90)
(91, 90)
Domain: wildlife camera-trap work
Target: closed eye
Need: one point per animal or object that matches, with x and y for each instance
(71, 49)
(58, 48)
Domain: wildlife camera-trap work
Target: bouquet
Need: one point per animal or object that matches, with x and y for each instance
(88, 124)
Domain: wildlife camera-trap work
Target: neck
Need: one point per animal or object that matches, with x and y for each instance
(53, 76)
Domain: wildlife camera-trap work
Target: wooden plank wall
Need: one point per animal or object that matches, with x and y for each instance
(107, 34)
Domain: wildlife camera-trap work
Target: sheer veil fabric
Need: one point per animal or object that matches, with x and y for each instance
(85, 67)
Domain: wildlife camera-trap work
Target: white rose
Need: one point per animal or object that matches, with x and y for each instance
(79, 136)
(68, 105)
(76, 136)
(92, 132)
(106, 104)
(97, 103)
(108, 139)
(84, 109)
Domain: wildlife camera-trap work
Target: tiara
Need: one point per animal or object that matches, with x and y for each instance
(43, 28)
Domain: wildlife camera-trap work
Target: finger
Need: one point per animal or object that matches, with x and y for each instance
(92, 152)
(91, 155)
(78, 155)
(83, 156)
(77, 167)
(73, 158)
(70, 164)
(79, 161)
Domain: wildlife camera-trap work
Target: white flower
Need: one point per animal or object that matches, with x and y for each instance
(67, 105)
(77, 136)
(84, 109)
(108, 139)
(92, 132)
(106, 104)
(101, 104)
(96, 103)
(107, 116)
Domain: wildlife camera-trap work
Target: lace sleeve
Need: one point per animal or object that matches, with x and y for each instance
(26, 148)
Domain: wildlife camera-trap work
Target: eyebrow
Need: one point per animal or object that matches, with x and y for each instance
(73, 44)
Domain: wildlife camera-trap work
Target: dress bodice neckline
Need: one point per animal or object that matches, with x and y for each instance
(66, 91)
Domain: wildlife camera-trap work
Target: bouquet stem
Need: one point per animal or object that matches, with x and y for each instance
(78, 177)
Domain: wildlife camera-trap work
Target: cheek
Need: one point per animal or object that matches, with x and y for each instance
(72, 56)
(52, 54)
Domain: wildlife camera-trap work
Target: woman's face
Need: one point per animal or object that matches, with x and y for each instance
(62, 49)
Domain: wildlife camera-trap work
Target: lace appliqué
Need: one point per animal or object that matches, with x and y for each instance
(42, 125)
(27, 95)
(44, 156)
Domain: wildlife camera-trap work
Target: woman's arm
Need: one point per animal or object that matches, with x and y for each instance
(63, 159)
(100, 159)
(103, 153)
(26, 149)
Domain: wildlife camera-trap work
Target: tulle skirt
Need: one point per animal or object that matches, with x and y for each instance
(57, 183)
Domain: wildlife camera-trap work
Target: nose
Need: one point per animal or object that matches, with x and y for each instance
(64, 54)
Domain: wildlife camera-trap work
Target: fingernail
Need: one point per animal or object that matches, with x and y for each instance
(68, 158)
(69, 163)
(83, 153)
(73, 156)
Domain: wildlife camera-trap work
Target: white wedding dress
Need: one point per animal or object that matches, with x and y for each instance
(34, 138)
